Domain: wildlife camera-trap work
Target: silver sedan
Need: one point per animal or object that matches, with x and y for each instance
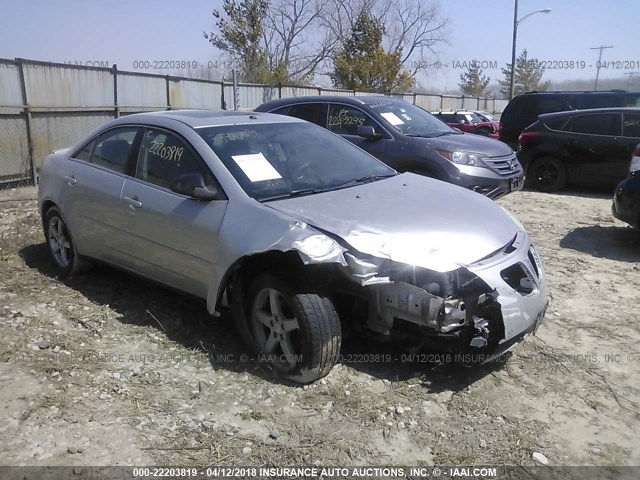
(296, 230)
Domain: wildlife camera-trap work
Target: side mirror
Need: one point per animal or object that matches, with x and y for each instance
(368, 132)
(192, 184)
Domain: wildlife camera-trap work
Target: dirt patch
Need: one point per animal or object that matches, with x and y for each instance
(107, 369)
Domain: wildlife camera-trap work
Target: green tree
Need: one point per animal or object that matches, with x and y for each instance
(240, 31)
(473, 82)
(363, 64)
(529, 73)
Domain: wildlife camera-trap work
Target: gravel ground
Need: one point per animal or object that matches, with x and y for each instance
(107, 369)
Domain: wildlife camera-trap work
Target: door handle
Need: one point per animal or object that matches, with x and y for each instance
(133, 202)
(71, 180)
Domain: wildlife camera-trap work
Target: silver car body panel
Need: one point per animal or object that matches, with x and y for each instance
(193, 245)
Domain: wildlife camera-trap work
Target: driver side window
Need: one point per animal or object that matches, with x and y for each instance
(345, 120)
(164, 157)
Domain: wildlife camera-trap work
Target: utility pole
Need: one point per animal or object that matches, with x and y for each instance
(599, 64)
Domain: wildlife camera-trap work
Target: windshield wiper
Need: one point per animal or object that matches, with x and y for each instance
(310, 191)
(295, 193)
(367, 179)
(431, 136)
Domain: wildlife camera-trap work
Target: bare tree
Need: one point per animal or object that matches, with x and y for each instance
(203, 72)
(294, 39)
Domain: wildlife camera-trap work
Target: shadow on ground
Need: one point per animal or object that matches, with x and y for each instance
(185, 320)
(613, 243)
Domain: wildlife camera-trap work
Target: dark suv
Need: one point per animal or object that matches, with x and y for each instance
(409, 139)
(524, 109)
(587, 147)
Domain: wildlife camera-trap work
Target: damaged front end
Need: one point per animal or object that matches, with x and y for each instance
(483, 308)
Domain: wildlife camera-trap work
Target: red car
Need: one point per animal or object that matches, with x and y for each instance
(469, 122)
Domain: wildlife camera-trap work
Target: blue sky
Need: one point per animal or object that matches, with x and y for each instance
(122, 32)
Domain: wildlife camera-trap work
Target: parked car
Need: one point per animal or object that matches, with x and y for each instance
(524, 109)
(626, 200)
(409, 139)
(295, 228)
(469, 122)
(585, 147)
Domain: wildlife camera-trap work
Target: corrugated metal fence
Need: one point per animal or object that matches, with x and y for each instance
(45, 106)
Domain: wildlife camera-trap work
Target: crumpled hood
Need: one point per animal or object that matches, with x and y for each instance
(409, 219)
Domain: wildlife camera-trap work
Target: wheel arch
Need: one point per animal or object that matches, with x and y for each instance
(417, 165)
(288, 264)
(46, 206)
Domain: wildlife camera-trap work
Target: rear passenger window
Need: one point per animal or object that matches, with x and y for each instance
(113, 148)
(631, 125)
(311, 112)
(594, 100)
(549, 104)
(164, 157)
(281, 110)
(631, 100)
(558, 124)
(600, 124)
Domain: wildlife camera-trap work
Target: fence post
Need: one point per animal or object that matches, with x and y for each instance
(235, 89)
(279, 89)
(441, 102)
(116, 108)
(29, 125)
(166, 79)
(223, 103)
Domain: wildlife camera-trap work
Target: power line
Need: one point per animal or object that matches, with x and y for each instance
(599, 64)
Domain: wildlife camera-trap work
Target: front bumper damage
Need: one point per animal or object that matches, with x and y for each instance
(484, 308)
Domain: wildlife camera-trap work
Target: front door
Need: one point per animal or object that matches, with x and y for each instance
(173, 237)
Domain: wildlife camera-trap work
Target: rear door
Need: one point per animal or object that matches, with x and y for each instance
(630, 136)
(594, 148)
(94, 181)
(172, 237)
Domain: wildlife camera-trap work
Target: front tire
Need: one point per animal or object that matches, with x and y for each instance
(298, 334)
(61, 246)
(547, 174)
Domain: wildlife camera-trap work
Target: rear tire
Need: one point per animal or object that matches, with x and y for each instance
(547, 174)
(61, 245)
(298, 334)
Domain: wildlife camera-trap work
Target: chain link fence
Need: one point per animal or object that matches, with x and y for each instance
(46, 106)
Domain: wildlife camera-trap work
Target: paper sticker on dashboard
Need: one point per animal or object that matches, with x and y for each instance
(392, 118)
(256, 167)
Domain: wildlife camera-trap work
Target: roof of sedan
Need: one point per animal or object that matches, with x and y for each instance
(205, 118)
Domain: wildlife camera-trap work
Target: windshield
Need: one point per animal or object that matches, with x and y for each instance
(409, 119)
(473, 118)
(281, 160)
(487, 117)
